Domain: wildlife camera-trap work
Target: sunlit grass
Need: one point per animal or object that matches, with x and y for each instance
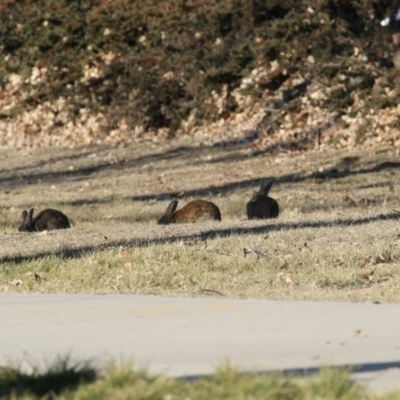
(337, 237)
(65, 381)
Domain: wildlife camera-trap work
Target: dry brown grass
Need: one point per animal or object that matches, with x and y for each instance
(336, 238)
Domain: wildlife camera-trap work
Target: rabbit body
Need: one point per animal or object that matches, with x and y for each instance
(193, 211)
(261, 206)
(46, 220)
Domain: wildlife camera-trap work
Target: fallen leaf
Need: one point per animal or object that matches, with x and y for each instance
(357, 332)
(369, 274)
(288, 280)
(284, 265)
(128, 266)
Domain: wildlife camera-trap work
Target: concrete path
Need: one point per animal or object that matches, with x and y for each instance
(188, 337)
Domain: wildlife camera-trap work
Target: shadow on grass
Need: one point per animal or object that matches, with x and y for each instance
(184, 153)
(188, 153)
(15, 178)
(247, 184)
(254, 183)
(67, 253)
(312, 371)
(60, 375)
(355, 368)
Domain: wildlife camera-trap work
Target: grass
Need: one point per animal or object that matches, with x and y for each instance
(336, 239)
(65, 381)
(46, 381)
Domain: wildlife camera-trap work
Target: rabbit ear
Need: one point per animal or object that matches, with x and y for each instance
(23, 216)
(266, 186)
(167, 217)
(30, 215)
(171, 208)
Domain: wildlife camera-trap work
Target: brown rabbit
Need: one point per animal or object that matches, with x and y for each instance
(262, 206)
(192, 212)
(46, 220)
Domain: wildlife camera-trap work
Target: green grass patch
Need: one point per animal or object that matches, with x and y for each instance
(64, 381)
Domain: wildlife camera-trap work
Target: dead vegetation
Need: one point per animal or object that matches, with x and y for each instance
(282, 75)
(337, 236)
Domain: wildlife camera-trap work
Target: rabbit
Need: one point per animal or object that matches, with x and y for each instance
(262, 206)
(193, 211)
(46, 220)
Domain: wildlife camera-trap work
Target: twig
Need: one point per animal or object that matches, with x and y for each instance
(211, 291)
(249, 250)
(224, 253)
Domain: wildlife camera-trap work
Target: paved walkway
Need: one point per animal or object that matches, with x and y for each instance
(188, 337)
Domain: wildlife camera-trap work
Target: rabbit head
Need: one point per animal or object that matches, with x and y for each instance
(167, 217)
(26, 221)
(262, 206)
(265, 187)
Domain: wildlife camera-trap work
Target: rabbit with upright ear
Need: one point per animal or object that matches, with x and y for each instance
(262, 206)
(46, 220)
(193, 211)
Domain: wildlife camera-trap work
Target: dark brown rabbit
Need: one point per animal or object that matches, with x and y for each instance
(46, 220)
(192, 212)
(262, 206)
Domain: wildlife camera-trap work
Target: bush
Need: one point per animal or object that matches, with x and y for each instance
(152, 63)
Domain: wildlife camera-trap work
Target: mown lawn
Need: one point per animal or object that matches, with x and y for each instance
(336, 238)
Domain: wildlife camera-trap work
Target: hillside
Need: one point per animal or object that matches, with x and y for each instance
(283, 75)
